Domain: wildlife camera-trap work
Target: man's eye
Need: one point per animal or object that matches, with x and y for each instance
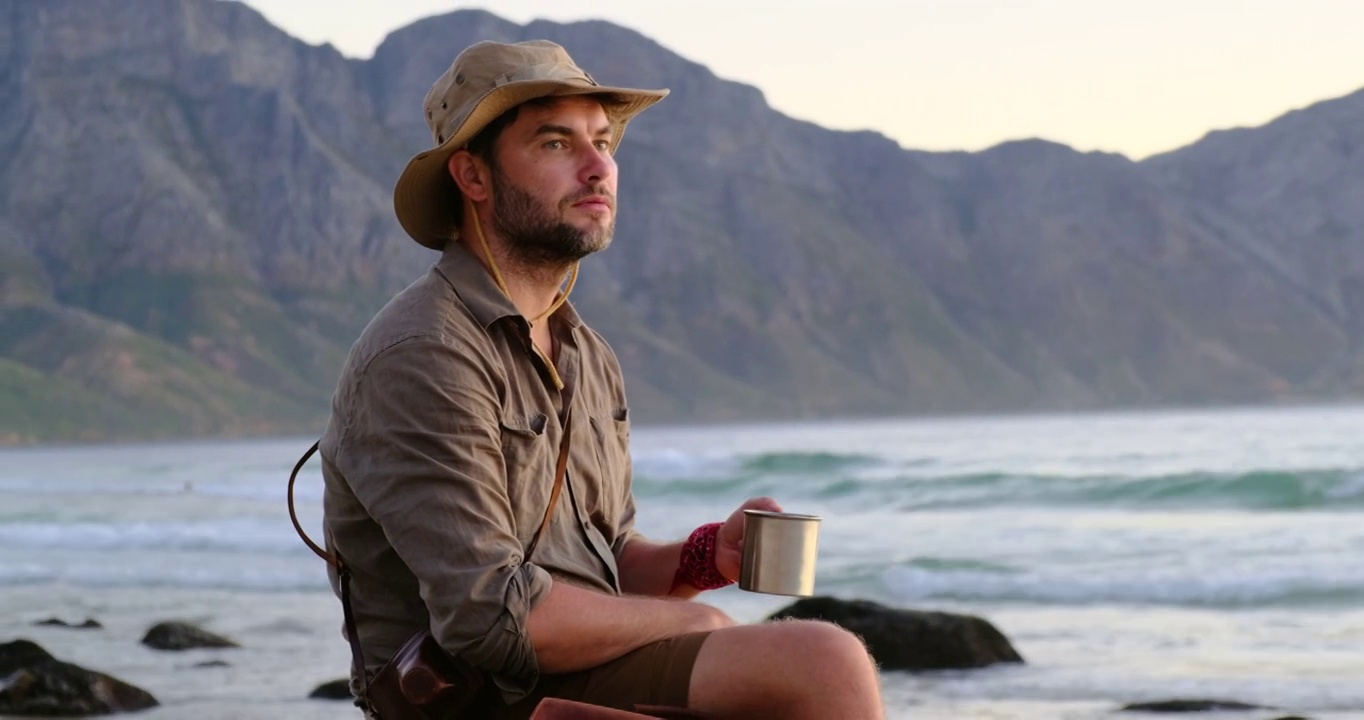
(603, 145)
(555, 145)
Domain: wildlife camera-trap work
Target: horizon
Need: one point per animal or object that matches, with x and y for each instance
(1123, 78)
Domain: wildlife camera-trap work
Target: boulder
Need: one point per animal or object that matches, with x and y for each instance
(1189, 706)
(35, 684)
(183, 636)
(333, 690)
(911, 639)
(89, 624)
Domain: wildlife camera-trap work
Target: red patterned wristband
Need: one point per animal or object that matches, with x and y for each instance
(697, 564)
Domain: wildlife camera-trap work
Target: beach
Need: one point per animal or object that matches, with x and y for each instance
(1128, 556)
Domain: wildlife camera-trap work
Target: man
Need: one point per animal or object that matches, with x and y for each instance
(441, 455)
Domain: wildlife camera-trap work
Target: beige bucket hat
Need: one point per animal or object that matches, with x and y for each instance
(486, 80)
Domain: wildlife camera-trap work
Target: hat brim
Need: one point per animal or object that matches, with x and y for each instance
(426, 199)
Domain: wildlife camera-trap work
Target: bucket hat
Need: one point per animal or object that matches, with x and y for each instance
(486, 80)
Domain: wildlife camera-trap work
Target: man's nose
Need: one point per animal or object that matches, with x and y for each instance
(598, 165)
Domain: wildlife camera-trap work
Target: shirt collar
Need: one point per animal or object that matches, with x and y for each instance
(479, 291)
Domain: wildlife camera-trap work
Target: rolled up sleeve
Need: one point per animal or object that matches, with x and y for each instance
(422, 453)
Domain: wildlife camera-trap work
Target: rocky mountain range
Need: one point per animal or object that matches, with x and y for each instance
(195, 223)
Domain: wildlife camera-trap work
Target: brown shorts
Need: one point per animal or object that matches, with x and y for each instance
(656, 674)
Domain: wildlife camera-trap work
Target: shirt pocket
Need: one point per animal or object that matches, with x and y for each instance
(611, 441)
(530, 469)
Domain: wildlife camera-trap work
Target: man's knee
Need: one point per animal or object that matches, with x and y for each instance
(789, 669)
(825, 643)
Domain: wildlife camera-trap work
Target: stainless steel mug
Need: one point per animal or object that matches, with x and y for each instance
(779, 553)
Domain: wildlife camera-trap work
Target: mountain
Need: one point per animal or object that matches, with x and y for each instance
(1286, 197)
(195, 223)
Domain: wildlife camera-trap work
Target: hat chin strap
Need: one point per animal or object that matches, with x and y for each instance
(497, 273)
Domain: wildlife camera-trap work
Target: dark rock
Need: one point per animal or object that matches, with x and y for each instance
(911, 639)
(33, 683)
(333, 690)
(89, 624)
(213, 664)
(183, 636)
(16, 654)
(1189, 706)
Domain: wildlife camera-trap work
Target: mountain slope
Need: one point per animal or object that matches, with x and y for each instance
(195, 223)
(1287, 196)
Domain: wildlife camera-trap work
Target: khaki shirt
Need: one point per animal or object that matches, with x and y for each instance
(439, 462)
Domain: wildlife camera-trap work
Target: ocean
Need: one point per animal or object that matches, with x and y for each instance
(1128, 556)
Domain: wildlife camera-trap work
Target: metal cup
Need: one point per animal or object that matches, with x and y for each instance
(779, 553)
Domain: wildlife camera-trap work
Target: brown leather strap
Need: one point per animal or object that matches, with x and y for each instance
(293, 514)
(357, 654)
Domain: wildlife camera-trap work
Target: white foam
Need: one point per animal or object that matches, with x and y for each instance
(1350, 488)
(1308, 581)
(254, 535)
(144, 569)
(666, 464)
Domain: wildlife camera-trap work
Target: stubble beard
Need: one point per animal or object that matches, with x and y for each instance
(535, 236)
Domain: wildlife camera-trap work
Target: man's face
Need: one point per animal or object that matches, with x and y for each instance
(554, 182)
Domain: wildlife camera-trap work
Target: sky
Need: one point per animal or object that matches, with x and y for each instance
(1136, 77)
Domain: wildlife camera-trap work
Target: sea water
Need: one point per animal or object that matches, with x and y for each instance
(1129, 557)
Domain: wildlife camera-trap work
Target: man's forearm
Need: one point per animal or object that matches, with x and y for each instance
(648, 568)
(573, 628)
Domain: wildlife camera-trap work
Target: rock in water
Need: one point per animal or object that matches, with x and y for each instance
(183, 636)
(1190, 706)
(33, 683)
(15, 655)
(333, 690)
(911, 639)
(89, 624)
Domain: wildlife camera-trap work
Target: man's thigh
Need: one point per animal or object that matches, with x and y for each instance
(656, 674)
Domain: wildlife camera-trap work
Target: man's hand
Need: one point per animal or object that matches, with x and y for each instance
(729, 545)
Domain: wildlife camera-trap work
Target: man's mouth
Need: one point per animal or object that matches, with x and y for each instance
(594, 202)
(594, 199)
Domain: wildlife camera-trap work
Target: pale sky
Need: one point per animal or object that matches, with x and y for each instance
(1131, 76)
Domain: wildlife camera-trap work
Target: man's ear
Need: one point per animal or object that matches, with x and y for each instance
(471, 175)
